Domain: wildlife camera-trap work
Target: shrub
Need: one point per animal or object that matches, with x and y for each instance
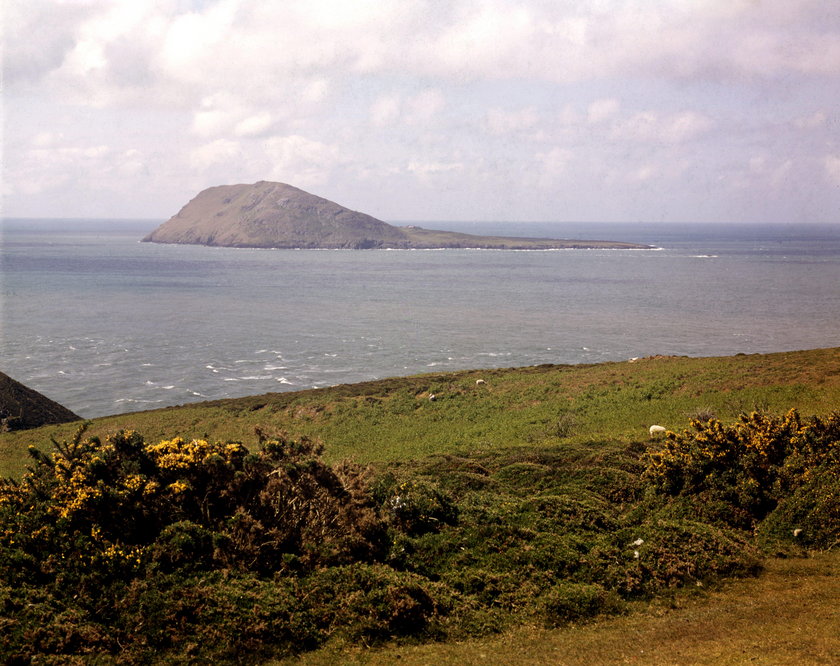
(749, 466)
(374, 602)
(655, 555)
(414, 507)
(110, 531)
(572, 602)
(808, 517)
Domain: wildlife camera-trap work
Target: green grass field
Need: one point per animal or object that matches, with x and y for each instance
(394, 420)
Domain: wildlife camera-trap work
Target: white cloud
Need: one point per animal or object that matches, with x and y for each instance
(649, 126)
(424, 105)
(330, 92)
(601, 110)
(553, 165)
(255, 125)
(385, 110)
(812, 121)
(426, 169)
(832, 168)
(500, 121)
(298, 160)
(685, 126)
(220, 151)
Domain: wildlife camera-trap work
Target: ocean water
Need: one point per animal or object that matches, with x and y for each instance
(105, 324)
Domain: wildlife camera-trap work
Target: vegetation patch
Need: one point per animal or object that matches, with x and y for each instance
(186, 549)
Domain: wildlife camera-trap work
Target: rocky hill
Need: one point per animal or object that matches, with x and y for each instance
(22, 407)
(276, 215)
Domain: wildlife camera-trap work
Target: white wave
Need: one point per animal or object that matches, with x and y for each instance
(253, 377)
(275, 367)
(283, 380)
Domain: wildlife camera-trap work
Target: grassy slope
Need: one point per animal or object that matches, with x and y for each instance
(788, 615)
(394, 419)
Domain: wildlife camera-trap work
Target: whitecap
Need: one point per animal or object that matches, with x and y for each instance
(283, 380)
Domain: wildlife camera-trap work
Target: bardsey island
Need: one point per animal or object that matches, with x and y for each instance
(277, 215)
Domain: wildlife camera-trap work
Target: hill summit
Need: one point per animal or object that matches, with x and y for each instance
(277, 215)
(22, 407)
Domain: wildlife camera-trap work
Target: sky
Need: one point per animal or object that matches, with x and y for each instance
(421, 110)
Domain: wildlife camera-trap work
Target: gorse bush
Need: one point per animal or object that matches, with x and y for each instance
(132, 505)
(761, 467)
(85, 522)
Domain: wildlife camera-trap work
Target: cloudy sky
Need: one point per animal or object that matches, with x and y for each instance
(531, 110)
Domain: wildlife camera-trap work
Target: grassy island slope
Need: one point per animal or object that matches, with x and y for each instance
(276, 215)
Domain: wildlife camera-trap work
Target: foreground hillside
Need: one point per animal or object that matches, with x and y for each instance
(517, 500)
(393, 419)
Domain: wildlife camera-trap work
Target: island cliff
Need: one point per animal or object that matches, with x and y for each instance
(276, 215)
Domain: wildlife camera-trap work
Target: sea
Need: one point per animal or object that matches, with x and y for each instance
(104, 324)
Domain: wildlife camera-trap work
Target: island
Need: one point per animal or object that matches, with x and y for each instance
(277, 215)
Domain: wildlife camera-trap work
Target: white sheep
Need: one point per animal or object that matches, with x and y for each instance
(656, 431)
(432, 397)
(480, 382)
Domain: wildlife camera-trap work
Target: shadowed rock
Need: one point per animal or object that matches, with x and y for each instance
(22, 407)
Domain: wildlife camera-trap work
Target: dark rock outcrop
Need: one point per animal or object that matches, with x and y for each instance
(22, 407)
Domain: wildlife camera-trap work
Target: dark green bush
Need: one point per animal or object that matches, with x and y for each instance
(809, 517)
(373, 602)
(572, 602)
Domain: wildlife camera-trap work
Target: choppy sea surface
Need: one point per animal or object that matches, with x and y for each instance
(104, 324)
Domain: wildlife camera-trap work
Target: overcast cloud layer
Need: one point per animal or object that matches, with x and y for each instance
(601, 110)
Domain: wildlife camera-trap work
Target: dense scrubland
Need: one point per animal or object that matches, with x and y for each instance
(427, 509)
